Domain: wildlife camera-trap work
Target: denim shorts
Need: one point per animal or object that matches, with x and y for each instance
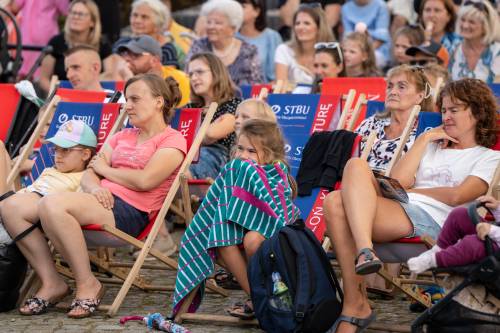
(212, 159)
(422, 222)
(128, 218)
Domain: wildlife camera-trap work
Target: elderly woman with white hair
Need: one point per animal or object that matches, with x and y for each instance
(151, 17)
(478, 55)
(223, 19)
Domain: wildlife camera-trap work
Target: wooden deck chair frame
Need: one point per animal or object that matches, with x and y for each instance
(130, 276)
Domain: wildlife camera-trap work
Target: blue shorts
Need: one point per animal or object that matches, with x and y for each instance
(212, 159)
(128, 218)
(422, 222)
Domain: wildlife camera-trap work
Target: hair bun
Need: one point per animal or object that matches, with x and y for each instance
(173, 85)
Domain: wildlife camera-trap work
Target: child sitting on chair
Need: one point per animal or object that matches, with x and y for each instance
(460, 242)
(252, 108)
(75, 144)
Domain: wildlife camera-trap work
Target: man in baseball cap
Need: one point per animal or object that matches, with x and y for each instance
(428, 53)
(142, 54)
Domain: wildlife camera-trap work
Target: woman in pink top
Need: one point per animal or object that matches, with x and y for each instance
(38, 24)
(125, 182)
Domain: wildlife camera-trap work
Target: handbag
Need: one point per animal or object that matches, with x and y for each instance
(13, 267)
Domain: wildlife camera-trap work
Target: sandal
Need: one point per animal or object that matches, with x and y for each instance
(371, 264)
(88, 305)
(361, 323)
(242, 310)
(226, 280)
(36, 305)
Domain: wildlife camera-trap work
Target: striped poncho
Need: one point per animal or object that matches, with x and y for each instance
(245, 196)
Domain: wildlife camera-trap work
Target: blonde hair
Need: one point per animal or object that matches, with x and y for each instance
(365, 43)
(94, 37)
(489, 19)
(261, 109)
(324, 31)
(268, 136)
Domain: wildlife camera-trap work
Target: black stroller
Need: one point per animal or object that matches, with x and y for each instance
(450, 316)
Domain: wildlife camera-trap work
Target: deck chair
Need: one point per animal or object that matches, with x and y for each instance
(109, 85)
(109, 236)
(485, 273)
(10, 98)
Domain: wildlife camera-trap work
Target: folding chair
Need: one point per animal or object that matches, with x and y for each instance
(109, 85)
(10, 98)
(109, 236)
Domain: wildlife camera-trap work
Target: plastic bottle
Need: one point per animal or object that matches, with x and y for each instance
(281, 300)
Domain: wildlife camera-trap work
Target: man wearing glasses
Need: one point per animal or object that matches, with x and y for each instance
(428, 53)
(142, 55)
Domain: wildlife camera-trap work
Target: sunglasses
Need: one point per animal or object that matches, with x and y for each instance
(420, 62)
(330, 46)
(478, 5)
(310, 5)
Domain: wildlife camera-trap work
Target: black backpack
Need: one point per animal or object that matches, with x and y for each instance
(313, 300)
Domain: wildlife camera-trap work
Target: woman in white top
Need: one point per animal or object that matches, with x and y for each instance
(478, 55)
(295, 59)
(446, 167)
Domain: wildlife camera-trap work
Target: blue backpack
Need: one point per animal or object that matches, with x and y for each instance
(293, 286)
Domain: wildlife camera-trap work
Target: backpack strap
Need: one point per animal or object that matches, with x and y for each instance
(303, 288)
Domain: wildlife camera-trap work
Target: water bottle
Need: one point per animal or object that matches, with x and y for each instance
(281, 300)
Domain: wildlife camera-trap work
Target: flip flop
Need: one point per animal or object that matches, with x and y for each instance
(242, 310)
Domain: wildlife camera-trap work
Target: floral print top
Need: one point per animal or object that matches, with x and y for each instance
(487, 67)
(383, 149)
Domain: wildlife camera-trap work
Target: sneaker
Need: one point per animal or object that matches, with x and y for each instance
(423, 262)
(165, 245)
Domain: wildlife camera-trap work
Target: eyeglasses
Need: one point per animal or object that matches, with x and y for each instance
(310, 5)
(198, 72)
(64, 151)
(78, 14)
(478, 5)
(330, 46)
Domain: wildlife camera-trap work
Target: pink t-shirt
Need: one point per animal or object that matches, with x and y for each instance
(127, 154)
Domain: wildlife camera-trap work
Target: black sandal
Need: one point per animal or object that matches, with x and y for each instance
(226, 280)
(371, 264)
(242, 310)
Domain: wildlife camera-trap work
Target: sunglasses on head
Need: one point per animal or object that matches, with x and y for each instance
(310, 5)
(478, 5)
(330, 46)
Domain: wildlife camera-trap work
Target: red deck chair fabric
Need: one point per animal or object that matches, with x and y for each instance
(72, 95)
(9, 97)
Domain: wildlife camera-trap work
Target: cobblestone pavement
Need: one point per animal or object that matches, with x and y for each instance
(393, 312)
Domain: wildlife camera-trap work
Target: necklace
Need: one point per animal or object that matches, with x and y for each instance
(226, 51)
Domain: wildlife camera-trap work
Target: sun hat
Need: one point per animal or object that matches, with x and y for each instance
(73, 133)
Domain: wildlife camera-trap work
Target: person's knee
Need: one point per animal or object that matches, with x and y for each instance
(332, 206)
(9, 208)
(458, 214)
(355, 167)
(252, 242)
(49, 206)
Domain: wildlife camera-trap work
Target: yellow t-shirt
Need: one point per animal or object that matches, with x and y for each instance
(184, 42)
(54, 181)
(183, 81)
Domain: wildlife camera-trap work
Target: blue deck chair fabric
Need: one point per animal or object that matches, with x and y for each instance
(428, 120)
(372, 107)
(109, 85)
(90, 113)
(299, 116)
(495, 87)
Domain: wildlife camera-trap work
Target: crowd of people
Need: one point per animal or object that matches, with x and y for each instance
(440, 55)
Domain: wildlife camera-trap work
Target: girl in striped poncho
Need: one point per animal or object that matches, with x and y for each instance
(249, 201)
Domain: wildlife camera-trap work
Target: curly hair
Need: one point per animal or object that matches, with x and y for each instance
(478, 96)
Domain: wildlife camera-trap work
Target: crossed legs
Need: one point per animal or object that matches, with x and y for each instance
(355, 216)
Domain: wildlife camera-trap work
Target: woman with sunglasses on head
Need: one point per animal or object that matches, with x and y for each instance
(438, 18)
(328, 62)
(478, 55)
(294, 59)
(254, 31)
(446, 167)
